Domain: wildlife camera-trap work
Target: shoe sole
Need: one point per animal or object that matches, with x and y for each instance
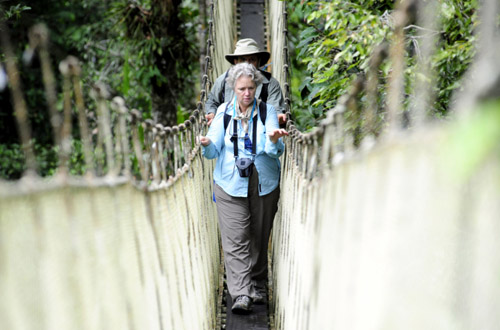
(241, 311)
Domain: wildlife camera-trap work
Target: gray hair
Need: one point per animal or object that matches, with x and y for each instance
(244, 69)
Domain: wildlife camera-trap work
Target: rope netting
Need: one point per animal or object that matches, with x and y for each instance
(131, 244)
(110, 256)
(385, 233)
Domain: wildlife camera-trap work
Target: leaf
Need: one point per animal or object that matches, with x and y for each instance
(472, 142)
(126, 75)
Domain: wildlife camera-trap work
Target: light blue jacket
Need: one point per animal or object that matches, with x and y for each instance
(266, 160)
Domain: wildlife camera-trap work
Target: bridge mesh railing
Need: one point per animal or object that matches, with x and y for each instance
(131, 244)
(110, 255)
(388, 232)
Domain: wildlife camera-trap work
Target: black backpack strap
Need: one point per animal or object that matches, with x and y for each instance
(263, 112)
(227, 118)
(264, 93)
(222, 94)
(266, 74)
(254, 138)
(234, 138)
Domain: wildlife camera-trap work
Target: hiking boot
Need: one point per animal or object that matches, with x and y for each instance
(259, 298)
(242, 305)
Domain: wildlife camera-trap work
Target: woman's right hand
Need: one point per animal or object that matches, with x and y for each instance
(209, 117)
(205, 141)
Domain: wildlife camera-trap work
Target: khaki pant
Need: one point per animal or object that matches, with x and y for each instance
(245, 225)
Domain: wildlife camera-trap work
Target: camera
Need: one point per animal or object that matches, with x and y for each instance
(244, 166)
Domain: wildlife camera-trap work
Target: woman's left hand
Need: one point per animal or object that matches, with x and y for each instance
(276, 134)
(204, 141)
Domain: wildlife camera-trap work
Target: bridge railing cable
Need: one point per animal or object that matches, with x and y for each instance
(131, 242)
(378, 226)
(350, 131)
(364, 116)
(110, 155)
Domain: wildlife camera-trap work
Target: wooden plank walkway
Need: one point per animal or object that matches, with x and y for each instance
(252, 21)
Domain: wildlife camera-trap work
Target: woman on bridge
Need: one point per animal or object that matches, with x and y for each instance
(246, 140)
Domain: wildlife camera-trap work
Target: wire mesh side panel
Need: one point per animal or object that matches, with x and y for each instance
(110, 257)
(386, 232)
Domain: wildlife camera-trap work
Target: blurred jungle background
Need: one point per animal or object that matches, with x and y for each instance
(150, 52)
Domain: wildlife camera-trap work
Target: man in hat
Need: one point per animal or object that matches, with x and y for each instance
(269, 91)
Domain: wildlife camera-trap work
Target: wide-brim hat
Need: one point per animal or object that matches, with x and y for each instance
(248, 46)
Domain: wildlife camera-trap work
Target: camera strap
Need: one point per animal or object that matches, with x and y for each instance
(234, 138)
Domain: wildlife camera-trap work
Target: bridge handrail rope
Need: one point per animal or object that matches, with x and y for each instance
(377, 126)
(370, 232)
(124, 245)
(306, 146)
(111, 157)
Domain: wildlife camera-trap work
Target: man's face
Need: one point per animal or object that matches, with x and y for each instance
(250, 59)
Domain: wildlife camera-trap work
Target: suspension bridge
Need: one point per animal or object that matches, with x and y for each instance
(399, 230)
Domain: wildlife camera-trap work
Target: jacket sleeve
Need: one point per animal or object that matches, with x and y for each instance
(214, 97)
(273, 150)
(216, 135)
(275, 96)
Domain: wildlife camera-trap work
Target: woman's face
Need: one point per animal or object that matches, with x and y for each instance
(245, 91)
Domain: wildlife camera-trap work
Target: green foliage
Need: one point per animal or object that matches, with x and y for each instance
(109, 57)
(472, 142)
(12, 161)
(182, 114)
(155, 63)
(15, 11)
(116, 41)
(76, 160)
(336, 40)
(333, 41)
(122, 43)
(457, 49)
